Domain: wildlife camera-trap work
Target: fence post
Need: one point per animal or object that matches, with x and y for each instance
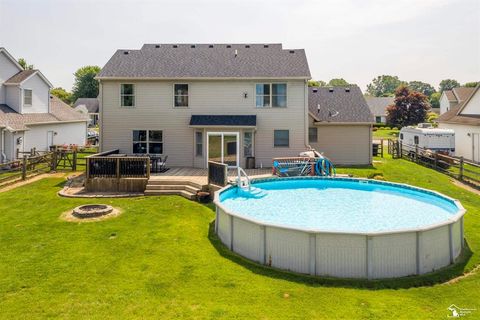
(87, 168)
(381, 144)
(416, 153)
(18, 153)
(54, 160)
(148, 168)
(74, 164)
(24, 168)
(118, 168)
(435, 163)
(399, 150)
(460, 174)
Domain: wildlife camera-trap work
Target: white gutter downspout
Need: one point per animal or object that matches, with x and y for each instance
(306, 89)
(3, 156)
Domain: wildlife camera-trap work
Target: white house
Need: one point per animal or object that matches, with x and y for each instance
(378, 107)
(464, 119)
(29, 116)
(88, 106)
(451, 98)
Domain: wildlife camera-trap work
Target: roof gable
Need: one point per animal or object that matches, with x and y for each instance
(220, 61)
(24, 75)
(11, 58)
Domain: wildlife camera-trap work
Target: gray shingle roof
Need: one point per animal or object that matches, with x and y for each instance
(91, 104)
(223, 120)
(462, 93)
(378, 105)
(18, 78)
(339, 105)
(207, 61)
(59, 112)
(455, 115)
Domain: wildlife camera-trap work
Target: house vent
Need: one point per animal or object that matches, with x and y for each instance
(236, 52)
(175, 46)
(330, 89)
(157, 46)
(125, 52)
(247, 46)
(347, 89)
(292, 51)
(210, 46)
(265, 45)
(192, 46)
(229, 46)
(315, 90)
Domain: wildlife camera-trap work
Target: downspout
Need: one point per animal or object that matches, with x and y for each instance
(305, 89)
(100, 116)
(3, 156)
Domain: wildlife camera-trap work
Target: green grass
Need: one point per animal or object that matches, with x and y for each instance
(381, 133)
(160, 259)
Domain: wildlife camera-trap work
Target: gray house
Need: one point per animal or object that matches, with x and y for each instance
(378, 107)
(89, 106)
(201, 102)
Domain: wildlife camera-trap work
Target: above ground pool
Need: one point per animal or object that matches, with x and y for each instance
(341, 227)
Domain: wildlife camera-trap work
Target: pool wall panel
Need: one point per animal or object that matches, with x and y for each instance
(224, 227)
(457, 238)
(435, 249)
(341, 255)
(248, 239)
(288, 249)
(393, 255)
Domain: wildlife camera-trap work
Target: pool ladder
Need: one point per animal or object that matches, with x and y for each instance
(244, 182)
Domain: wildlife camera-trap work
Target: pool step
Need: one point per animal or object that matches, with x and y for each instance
(184, 188)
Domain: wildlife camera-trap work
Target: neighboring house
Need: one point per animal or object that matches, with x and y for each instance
(29, 116)
(464, 119)
(451, 98)
(88, 106)
(200, 102)
(340, 124)
(378, 107)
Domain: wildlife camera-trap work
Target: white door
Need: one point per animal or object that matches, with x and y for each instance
(476, 147)
(49, 139)
(223, 147)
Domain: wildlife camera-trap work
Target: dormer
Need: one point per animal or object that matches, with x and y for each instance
(28, 91)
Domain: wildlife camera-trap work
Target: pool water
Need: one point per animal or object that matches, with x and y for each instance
(339, 205)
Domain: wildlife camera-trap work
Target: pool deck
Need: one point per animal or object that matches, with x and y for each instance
(200, 176)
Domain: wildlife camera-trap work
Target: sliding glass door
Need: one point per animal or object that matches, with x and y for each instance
(223, 147)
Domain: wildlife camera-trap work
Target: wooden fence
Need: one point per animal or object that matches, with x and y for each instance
(217, 173)
(29, 165)
(456, 167)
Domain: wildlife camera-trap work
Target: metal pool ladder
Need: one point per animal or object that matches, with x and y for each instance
(243, 182)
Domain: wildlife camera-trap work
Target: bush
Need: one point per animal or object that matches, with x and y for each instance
(374, 129)
(387, 128)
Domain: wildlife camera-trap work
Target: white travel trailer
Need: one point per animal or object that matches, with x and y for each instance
(424, 136)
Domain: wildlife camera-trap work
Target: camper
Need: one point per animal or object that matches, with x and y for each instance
(425, 136)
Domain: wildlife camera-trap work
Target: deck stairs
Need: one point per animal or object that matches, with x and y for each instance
(184, 188)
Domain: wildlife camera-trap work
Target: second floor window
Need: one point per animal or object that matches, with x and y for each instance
(27, 97)
(180, 95)
(271, 95)
(127, 95)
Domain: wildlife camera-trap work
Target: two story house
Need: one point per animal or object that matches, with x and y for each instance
(451, 98)
(201, 102)
(29, 116)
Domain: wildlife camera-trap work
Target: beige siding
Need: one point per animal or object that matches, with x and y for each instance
(154, 110)
(344, 144)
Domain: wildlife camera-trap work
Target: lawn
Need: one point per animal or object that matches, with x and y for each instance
(381, 133)
(159, 259)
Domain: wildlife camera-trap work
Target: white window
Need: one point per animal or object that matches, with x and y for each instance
(27, 97)
(271, 95)
(198, 143)
(127, 95)
(248, 144)
(313, 135)
(281, 138)
(180, 95)
(147, 141)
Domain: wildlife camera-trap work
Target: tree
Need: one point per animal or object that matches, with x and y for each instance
(316, 83)
(409, 108)
(338, 82)
(471, 84)
(384, 86)
(448, 84)
(25, 65)
(422, 87)
(435, 100)
(431, 117)
(85, 85)
(63, 94)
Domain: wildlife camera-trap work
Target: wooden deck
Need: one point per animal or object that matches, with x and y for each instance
(199, 176)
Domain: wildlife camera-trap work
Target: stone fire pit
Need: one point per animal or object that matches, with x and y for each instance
(91, 211)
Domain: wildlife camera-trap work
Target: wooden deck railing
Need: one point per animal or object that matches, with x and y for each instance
(104, 165)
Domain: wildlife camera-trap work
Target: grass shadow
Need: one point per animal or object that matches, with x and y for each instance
(430, 279)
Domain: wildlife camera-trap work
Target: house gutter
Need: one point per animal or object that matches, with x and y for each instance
(3, 156)
(307, 113)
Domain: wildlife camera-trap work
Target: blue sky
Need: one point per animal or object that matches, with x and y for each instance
(426, 40)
